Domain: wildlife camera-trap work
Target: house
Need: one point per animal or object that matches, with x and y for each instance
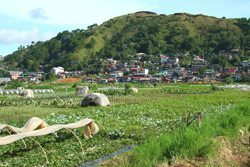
(112, 76)
(164, 59)
(40, 75)
(198, 60)
(30, 76)
(180, 69)
(166, 79)
(245, 64)
(89, 80)
(118, 73)
(112, 62)
(169, 72)
(15, 74)
(138, 56)
(125, 70)
(140, 79)
(62, 75)
(181, 72)
(134, 63)
(190, 78)
(235, 51)
(174, 61)
(238, 77)
(169, 62)
(56, 70)
(74, 73)
(134, 70)
(198, 63)
(209, 72)
(112, 80)
(142, 72)
(103, 81)
(230, 70)
(123, 79)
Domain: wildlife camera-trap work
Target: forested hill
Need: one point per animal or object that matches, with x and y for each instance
(126, 35)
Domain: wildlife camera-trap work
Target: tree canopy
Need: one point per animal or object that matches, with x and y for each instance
(141, 32)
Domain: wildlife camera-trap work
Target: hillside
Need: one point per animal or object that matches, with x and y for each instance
(126, 35)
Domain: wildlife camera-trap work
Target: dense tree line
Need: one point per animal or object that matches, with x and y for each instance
(122, 37)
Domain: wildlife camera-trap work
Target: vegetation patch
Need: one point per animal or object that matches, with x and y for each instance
(135, 119)
(193, 142)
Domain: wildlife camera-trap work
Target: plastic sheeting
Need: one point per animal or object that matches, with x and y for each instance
(37, 127)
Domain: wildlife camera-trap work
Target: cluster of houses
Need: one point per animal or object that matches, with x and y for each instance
(168, 69)
(165, 69)
(24, 76)
(37, 77)
(60, 72)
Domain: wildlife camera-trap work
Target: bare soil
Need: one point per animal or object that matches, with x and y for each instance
(69, 80)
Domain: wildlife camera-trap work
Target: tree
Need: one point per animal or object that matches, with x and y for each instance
(92, 26)
(76, 60)
(124, 36)
(91, 43)
(221, 60)
(201, 70)
(14, 84)
(185, 61)
(50, 77)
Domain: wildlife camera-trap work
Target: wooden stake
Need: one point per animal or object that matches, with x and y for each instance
(188, 122)
(199, 118)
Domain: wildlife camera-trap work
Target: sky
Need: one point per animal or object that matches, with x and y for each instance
(24, 21)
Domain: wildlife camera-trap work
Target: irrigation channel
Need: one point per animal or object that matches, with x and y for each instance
(106, 157)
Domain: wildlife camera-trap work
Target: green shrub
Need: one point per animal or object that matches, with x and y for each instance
(127, 89)
(50, 77)
(74, 85)
(3, 83)
(156, 84)
(112, 92)
(14, 84)
(229, 80)
(40, 87)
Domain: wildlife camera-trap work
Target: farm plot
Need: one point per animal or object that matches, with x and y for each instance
(131, 119)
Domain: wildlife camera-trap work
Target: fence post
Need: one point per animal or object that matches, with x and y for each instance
(199, 117)
(187, 118)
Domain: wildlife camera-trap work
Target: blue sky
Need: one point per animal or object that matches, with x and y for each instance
(23, 21)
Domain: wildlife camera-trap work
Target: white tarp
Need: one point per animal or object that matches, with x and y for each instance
(29, 130)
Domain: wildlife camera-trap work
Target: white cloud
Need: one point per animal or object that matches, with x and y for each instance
(22, 37)
(76, 12)
(38, 13)
(85, 12)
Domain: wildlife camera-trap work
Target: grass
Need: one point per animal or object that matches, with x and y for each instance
(132, 119)
(193, 142)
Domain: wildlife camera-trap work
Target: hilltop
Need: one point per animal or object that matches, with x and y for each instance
(140, 32)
